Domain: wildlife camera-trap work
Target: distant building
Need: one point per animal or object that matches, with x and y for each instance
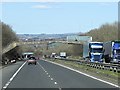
(76, 38)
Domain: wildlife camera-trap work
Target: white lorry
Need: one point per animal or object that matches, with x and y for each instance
(63, 54)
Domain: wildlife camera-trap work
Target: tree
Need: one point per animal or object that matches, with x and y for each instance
(106, 32)
(8, 35)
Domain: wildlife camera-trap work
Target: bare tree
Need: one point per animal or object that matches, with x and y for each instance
(107, 32)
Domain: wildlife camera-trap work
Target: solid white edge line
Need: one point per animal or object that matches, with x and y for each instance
(84, 74)
(10, 80)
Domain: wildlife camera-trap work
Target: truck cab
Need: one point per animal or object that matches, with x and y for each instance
(96, 51)
(112, 51)
(116, 51)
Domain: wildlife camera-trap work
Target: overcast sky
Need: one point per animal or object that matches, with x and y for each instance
(57, 17)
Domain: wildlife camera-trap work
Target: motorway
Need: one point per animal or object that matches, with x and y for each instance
(46, 75)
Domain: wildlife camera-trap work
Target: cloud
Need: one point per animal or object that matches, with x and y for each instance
(41, 6)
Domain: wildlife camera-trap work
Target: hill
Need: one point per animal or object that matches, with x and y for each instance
(106, 32)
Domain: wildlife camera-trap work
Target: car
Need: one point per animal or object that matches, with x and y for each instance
(57, 57)
(13, 61)
(32, 60)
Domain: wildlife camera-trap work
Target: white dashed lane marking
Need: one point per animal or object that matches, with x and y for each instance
(51, 78)
(55, 82)
(48, 75)
(45, 71)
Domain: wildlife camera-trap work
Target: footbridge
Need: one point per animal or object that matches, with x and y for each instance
(15, 44)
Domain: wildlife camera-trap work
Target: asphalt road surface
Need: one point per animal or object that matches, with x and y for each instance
(48, 75)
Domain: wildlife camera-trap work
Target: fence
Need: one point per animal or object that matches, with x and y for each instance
(104, 66)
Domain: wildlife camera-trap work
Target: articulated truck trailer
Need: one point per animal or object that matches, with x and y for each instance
(112, 51)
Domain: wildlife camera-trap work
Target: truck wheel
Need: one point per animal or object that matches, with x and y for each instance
(107, 59)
